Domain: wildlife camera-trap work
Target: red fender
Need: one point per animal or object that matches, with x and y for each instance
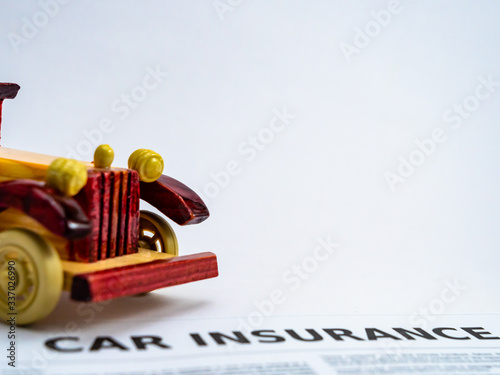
(175, 200)
(60, 214)
(7, 91)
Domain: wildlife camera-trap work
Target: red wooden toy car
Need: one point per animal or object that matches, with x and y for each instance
(76, 226)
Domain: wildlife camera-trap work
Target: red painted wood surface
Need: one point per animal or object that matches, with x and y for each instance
(141, 278)
(122, 210)
(106, 201)
(112, 215)
(113, 233)
(175, 200)
(132, 225)
(111, 201)
(7, 91)
(60, 214)
(89, 198)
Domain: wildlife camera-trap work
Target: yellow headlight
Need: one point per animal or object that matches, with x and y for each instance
(147, 163)
(103, 156)
(67, 175)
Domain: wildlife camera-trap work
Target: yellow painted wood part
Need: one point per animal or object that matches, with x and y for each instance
(67, 176)
(13, 218)
(103, 156)
(72, 269)
(39, 275)
(147, 163)
(24, 164)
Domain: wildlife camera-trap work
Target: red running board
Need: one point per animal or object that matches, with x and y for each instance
(130, 280)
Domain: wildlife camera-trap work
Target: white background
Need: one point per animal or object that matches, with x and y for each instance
(322, 176)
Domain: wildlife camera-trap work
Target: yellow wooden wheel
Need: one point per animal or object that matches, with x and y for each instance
(31, 276)
(155, 233)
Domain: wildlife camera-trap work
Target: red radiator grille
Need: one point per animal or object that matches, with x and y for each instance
(111, 201)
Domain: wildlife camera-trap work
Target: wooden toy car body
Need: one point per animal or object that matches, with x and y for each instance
(98, 244)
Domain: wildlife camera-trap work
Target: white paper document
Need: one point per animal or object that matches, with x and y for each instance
(307, 345)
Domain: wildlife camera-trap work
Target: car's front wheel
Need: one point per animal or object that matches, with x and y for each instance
(31, 276)
(155, 233)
